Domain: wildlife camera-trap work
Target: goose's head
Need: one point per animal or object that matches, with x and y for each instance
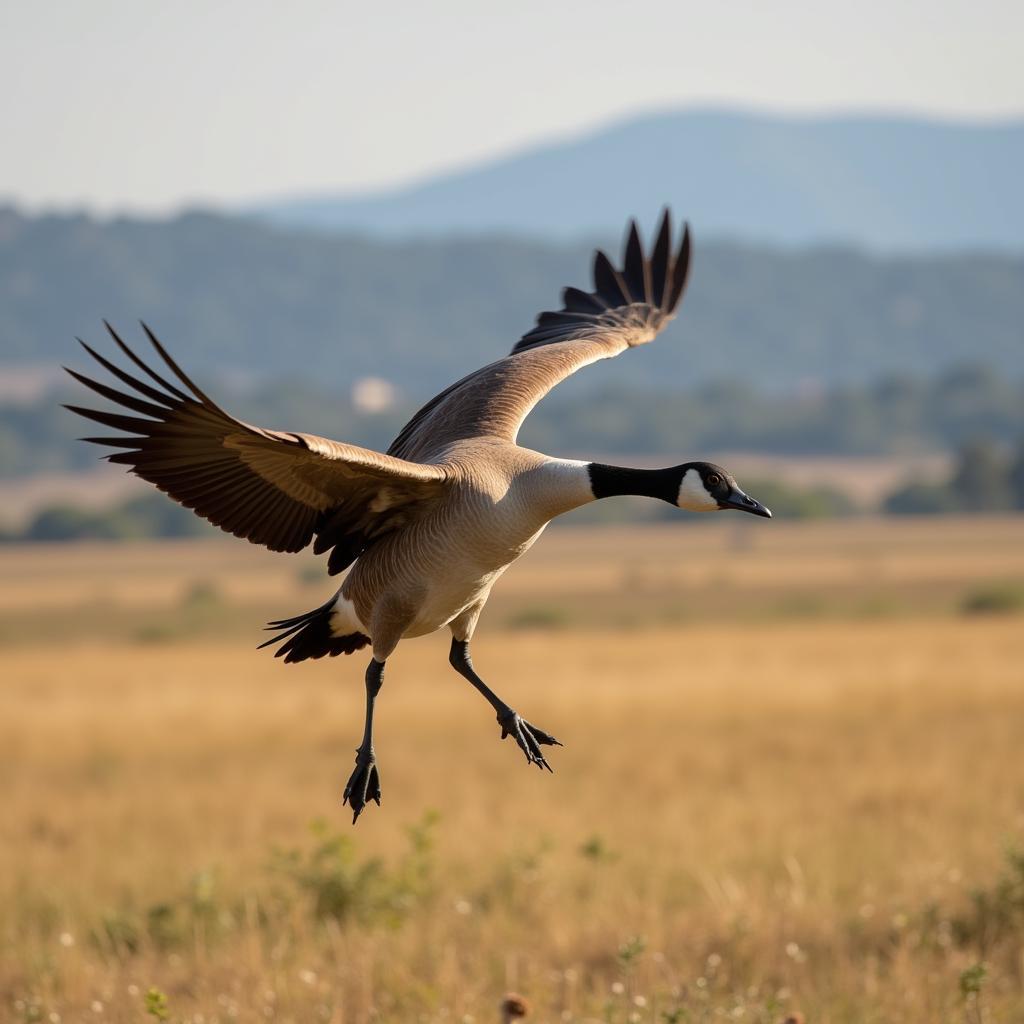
(705, 487)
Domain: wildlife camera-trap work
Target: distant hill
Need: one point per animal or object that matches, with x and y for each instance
(889, 183)
(243, 301)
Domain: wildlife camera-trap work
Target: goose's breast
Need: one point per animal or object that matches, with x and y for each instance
(447, 562)
(464, 577)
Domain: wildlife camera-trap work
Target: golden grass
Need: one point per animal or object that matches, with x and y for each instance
(750, 816)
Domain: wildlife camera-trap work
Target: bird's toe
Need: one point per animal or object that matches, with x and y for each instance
(528, 738)
(362, 787)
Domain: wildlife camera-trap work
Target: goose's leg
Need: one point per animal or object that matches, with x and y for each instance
(529, 737)
(364, 782)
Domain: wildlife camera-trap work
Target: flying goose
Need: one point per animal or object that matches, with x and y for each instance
(427, 528)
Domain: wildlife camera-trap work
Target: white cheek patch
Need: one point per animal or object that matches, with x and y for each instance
(344, 620)
(692, 494)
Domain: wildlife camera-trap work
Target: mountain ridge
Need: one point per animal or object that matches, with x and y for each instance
(894, 182)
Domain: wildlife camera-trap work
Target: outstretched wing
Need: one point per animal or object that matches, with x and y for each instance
(272, 488)
(627, 307)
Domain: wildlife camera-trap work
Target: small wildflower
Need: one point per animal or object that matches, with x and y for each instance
(67, 940)
(640, 1001)
(463, 907)
(307, 976)
(618, 988)
(96, 1006)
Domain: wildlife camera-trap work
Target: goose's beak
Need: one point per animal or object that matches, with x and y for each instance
(744, 503)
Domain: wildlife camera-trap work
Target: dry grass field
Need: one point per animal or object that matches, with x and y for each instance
(792, 781)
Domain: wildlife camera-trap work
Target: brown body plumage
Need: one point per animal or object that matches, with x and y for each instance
(429, 526)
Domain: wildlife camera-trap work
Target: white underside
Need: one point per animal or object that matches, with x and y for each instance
(462, 584)
(344, 620)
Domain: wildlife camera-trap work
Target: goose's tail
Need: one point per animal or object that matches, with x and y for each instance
(331, 629)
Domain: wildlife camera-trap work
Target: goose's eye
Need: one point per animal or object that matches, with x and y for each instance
(714, 480)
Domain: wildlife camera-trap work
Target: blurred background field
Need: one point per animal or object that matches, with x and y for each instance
(791, 780)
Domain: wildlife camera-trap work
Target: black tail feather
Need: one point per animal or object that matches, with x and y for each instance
(310, 636)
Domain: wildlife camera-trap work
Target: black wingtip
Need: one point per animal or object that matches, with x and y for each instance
(113, 333)
(680, 270)
(88, 348)
(177, 370)
(656, 279)
(635, 271)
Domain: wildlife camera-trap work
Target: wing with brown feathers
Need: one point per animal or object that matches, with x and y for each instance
(273, 488)
(627, 307)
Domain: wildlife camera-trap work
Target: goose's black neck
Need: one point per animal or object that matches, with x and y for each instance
(608, 481)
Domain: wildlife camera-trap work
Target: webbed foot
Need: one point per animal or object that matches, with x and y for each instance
(528, 737)
(363, 785)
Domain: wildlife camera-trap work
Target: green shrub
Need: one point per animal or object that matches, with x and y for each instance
(994, 600)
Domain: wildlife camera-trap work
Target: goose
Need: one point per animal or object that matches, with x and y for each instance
(428, 527)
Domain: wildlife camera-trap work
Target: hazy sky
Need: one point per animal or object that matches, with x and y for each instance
(140, 105)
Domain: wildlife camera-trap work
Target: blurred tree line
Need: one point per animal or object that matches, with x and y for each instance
(157, 516)
(896, 414)
(892, 416)
(987, 477)
(229, 294)
(153, 515)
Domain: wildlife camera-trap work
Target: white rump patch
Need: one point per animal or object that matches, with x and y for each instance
(693, 495)
(344, 620)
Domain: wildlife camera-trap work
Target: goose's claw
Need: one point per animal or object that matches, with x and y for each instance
(528, 737)
(363, 785)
